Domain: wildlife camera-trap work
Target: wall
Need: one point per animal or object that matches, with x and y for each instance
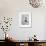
(11, 8)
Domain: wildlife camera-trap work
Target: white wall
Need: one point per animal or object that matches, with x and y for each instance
(11, 8)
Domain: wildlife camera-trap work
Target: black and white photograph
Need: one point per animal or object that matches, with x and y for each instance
(25, 19)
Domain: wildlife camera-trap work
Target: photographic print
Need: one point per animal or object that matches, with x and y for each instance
(25, 19)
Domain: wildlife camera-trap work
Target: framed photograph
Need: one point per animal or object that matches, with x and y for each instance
(25, 19)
